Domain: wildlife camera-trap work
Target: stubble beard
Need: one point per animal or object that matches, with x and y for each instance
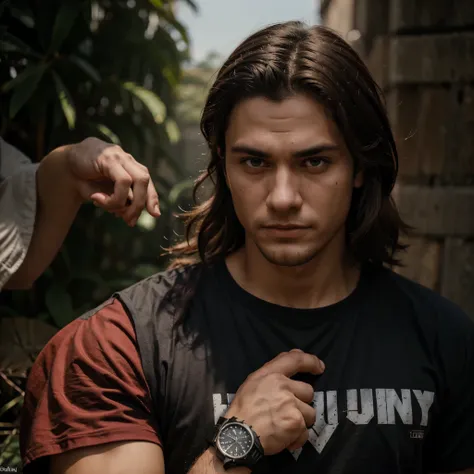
(288, 259)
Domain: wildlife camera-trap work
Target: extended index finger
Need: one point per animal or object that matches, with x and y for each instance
(152, 200)
(291, 363)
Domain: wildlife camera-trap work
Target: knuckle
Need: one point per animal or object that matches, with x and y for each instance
(298, 357)
(277, 381)
(293, 420)
(253, 376)
(309, 393)
(143, 168)
(285, 401)
(142, 178)
(126, 180)
(108, 159)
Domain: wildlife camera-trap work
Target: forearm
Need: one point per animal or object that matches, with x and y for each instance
(57, 206)
(208, 463)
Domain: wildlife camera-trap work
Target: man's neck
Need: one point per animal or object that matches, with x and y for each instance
(328, 278)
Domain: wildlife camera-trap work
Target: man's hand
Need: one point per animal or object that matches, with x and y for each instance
(67, 177)
(112, 179)
(276, 407)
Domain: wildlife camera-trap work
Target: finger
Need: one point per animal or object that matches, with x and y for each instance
(152, 200)
(308, 412)
(291, 363)
(301, 390)
(100, 196)
(129, 197)
(140, 179)
(300, 441)
(120, 212)
(122, 183)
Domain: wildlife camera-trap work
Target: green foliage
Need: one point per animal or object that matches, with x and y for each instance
(194, 87)
(78, 68)
(72, 69)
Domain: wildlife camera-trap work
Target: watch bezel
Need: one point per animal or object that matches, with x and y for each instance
(242, 425)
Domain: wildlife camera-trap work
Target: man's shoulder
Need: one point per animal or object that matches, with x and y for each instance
(162, 282)
(165, 287)
(424, 301)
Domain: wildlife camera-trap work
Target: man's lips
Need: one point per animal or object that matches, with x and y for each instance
(286, 226)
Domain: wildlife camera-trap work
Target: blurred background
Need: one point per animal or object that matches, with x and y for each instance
(136, 73)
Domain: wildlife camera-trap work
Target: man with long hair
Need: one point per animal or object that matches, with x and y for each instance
(279, 341)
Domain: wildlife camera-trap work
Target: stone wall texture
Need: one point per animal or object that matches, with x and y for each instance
(421, 52)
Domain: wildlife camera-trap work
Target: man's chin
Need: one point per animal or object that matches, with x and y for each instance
(288, 257)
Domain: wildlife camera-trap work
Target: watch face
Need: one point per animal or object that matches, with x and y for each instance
(235, 440)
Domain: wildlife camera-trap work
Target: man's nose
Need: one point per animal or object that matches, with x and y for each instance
(284, 194)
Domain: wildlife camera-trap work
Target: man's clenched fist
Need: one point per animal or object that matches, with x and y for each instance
(112, 179)
(278, 408)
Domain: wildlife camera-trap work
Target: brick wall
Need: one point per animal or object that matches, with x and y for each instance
(422, 53)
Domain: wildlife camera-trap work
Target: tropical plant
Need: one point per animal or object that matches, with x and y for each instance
(71, 69)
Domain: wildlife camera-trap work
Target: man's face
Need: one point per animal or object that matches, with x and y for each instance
(290, 176)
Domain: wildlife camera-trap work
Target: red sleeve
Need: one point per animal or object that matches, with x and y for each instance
(87, 387)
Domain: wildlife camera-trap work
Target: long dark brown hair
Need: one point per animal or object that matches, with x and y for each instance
(277, 62)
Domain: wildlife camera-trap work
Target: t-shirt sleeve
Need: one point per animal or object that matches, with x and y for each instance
(451, 441)
(86, 387)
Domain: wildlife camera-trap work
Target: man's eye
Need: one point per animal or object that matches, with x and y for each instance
(254, 162)
(314, 162)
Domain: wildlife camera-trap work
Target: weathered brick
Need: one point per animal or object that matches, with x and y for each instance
(421, 261)
(438, 211)
(437, 59)
(457, 280)
(433, 129)
(418, 118)
(459, 153)
(409, 15)
(338, 15)
(371, 18)
(377, 60)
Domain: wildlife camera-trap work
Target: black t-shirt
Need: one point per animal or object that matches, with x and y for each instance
(397, 395)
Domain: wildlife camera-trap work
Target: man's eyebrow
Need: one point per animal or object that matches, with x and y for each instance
(248, 150)
(315, 150)
(311, 151)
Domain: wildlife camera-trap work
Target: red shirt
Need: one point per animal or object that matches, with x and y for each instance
(86, 388)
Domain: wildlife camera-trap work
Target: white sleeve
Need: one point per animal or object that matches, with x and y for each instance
(17, 209)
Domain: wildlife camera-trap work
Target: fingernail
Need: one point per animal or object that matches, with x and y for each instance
(157, 210)
(323, 365)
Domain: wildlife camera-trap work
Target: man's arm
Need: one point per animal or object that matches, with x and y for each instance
(131, 458)
(56, 208)
(67, 177)
(208, 463)
(137, 457)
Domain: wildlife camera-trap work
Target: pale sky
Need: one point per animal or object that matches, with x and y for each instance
(221, 25)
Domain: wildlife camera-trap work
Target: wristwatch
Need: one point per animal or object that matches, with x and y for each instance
(236, 443)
